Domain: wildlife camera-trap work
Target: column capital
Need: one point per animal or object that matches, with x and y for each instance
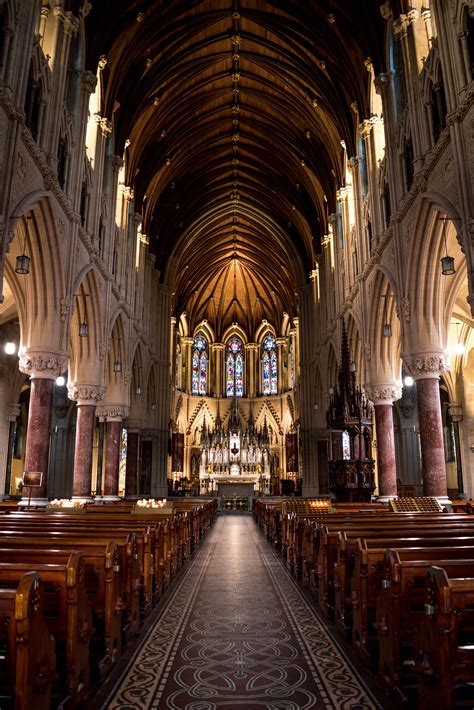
(186, 340)
(113, 412)
(13, 411)
(251, 346)
(427, 364)
(217, 346)
(455, 412)
(86, 394)
(43, 365)
(281, 340)
(383, 393)
(89, 81)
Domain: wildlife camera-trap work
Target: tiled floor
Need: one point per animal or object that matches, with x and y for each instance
(238, 633)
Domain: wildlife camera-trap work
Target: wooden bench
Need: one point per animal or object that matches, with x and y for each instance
(28, 665)
(103, 586)
(67, 612)
(400, 606)
(445, 643)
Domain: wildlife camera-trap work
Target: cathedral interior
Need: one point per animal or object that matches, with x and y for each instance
(236, 251)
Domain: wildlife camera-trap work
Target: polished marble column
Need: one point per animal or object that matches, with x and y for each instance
(426, 368)
(383, 396)
(131, 475)
(114, 416)
(87, 397)
(43, 368)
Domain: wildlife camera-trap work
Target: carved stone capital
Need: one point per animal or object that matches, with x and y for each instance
(381, 83)
(85, 393)
(455, 412)
(365, 128)
(105, 126)
(426, 365)
(89, 81)
(112, 412)
(383, 393)
(149, 434)
(12, 411)
(46, 366)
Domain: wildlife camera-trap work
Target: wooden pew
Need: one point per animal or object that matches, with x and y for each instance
(129, 578)
(400, 606)
(67, 612)
(103, 586)
(28, 665)
(445, 644)
(367, 582)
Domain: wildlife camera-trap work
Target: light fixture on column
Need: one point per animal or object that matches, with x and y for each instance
(447, 262)
(387, 327)
(117, 363)
(352, 366)
(60, 381)
(9, 348)
(22, 265)
(408, 381)
(83, 327)
(138, 388)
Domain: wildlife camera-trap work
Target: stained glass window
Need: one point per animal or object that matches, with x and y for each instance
(235, 368)
(199, 366)
(269, 366)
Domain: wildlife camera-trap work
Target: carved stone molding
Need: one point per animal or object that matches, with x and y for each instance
(385, 393)
(112, 412)
(426, 365)
(86, 393)
(46, 366)
(455, 412)
(12, 411)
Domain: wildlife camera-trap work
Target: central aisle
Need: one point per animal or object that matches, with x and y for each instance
(238, 633)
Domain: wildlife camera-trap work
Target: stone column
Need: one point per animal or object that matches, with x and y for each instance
(188, 343)
(42, 368)
(217, 350)
(13, 411)
(131, 475)
(87, 398)
(113, 433)
(281, 346)
(383, 396)
(426, 368)
(253, 372)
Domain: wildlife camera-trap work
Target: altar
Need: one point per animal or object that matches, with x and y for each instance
(227, 489)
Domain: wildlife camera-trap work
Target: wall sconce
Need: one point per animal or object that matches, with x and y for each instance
(23, 261)
(447, 262)
(138, 390)
(387, 327)
(353, 366)
(153, 406)
(408, 381)
(331, 390)
(117, 366)
(9, 348)
(83, 327)
(60, 381)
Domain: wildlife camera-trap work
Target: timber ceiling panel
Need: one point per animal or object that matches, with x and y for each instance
(233, 112)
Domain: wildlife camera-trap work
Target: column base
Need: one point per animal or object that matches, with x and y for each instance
(444, 501)
(31, 503)
(82, 499)
(384, 499)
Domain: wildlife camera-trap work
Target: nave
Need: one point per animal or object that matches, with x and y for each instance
(236, 632)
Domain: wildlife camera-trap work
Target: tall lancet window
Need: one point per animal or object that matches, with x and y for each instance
(199, 380)
(269, 366)
(235, 368)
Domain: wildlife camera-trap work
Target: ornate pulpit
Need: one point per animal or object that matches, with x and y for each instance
(350, 420)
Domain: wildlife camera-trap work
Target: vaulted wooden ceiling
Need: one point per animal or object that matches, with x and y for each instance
(232, 115)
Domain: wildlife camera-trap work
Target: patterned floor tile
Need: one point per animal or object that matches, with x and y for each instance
(238, 633)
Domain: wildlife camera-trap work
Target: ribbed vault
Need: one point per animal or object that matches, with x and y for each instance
(233, 116)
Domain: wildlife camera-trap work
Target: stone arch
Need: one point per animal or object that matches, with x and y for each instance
(427, 290)
(87, 309)
(383, 328)
(40, 292)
